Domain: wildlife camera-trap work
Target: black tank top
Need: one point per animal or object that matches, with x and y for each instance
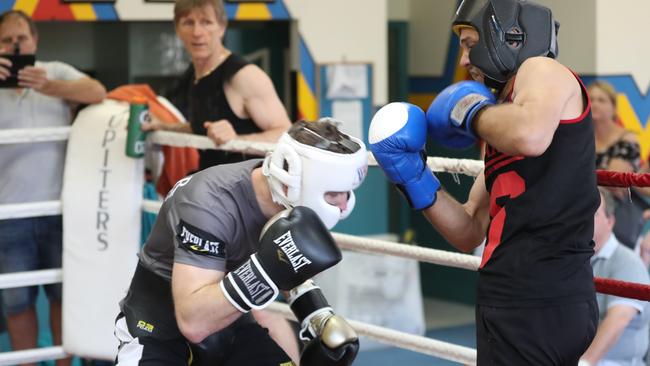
(206, 101)
(542, 220)
(621, 149)
(629, 210)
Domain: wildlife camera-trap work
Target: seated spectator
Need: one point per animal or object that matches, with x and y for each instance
(622, 335)
(618, 149)
(644, 249)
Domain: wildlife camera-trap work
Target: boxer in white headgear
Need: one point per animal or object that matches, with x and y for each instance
(222, 248)
(315, 165)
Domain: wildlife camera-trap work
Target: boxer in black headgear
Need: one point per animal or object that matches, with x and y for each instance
(509, 32)
(534, 202)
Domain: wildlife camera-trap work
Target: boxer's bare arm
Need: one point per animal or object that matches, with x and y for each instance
(200, 305)
(545, 92)
(462, 225)
(280, 331)
(260, 102)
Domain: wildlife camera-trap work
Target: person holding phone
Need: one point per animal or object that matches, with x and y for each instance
(17, 62)
(43, 97)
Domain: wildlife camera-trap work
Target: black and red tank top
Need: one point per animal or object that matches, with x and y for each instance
(539, 240)
(206, 101)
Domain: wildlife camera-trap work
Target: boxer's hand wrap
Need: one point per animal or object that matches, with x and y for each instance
(397, 136)
(295, 245)
(308, 303)
(249, 286)
(330, 340)
(451, 115)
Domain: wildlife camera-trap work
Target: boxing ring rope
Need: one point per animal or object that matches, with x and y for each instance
(408, 341)
(421, 254)
(203, 142)
(32, 355)
(28, 135)
(622, 179)
(31, 209)
(345, 241)
(436, 164)
(30, 278)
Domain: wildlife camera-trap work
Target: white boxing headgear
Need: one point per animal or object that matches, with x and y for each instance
(308, 172)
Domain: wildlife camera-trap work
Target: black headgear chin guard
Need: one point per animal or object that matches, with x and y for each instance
(510, 31)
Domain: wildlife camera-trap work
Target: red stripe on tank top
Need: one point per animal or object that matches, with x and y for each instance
(587, 108)
(507, 185)
(493, 168)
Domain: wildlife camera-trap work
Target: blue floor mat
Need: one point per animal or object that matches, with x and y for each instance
(462, 335)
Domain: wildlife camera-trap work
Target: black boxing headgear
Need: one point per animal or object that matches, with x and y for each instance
(510, 31)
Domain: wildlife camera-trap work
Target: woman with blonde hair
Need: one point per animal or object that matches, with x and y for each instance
(617, 149)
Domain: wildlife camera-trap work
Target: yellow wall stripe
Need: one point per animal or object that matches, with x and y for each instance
(28, 6)
(307, 104)
(644, 140)
(421, 100)
(627, 114)
(253, 12)
(83, 12)
(460, 73)
(631, 122)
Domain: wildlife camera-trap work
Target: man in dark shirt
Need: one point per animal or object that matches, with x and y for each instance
(221, 94)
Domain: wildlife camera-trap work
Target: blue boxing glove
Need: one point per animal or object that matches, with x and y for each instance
(451, 114)
(397, 135)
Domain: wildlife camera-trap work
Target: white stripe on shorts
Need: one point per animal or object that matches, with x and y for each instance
(130, 351)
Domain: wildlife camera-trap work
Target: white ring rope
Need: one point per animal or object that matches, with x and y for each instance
(467, 167)
(28, 135)
(374, 246)
(421, 254)
(391, 337)
(203, 142)
(31, 209)
(151, 206)
(32, 355)
(436, 164)
(21, 135)
(31, 278)
(435, 256)
(404, 340)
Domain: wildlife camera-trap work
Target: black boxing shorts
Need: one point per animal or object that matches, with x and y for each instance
(552, 335)
(148, 335)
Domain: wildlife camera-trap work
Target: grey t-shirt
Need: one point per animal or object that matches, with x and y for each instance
(33, 172)
(616, 261)
(209, 220)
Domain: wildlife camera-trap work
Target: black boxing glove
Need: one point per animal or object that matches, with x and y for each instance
(295, 245)
(330, 340)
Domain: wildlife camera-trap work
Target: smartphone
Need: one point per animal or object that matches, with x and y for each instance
(17, 63)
